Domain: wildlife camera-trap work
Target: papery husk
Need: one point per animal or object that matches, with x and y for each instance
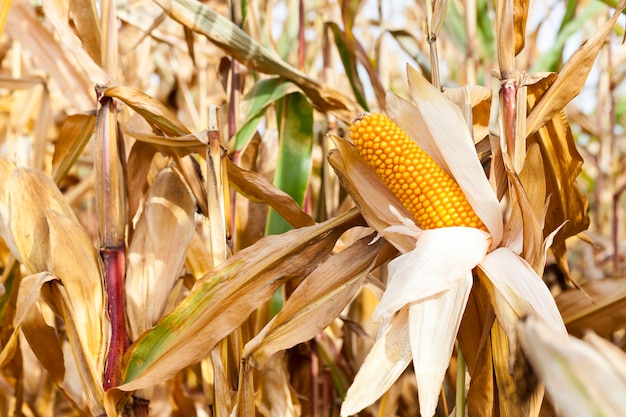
(437, 126)
(371, 195)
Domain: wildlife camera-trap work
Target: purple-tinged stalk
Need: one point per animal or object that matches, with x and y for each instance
(111, 216)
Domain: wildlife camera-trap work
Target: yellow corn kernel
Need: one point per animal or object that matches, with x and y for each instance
(426, 190)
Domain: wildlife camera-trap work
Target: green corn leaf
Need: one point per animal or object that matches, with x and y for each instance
(295, 130)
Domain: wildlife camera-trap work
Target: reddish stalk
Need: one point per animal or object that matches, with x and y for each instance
(114, 261)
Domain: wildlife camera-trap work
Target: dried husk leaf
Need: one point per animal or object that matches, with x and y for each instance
(389, 357)
(478, 99)
(599, 306)
(370, 194)
(431, 359)
(520, 288)
(316, 302)
(580, 380)
(437, 126)
(154, 262)
(224, 298)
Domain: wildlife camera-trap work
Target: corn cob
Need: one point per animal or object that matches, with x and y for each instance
(426, 190)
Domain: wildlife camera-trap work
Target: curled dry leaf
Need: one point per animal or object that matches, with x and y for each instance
(316, 302)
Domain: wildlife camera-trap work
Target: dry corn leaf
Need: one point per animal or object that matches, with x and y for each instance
(41, 337)
(600, 306)
(25, 26)
(571, 78)
(222, 32)
(57, 13)
(580, 380)
(275, 395)
(524, 226)
(76, 131)
(611, 352)
(31, 195)
(86, 23)
(316, 302)
(520, 15)
(76, 262)
(152, 110)
(90, 375)
(223, 299)
(568, 206)
(256, 188)
(154, 262)
(519, 393)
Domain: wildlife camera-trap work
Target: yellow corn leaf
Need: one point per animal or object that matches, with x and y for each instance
(571, 78)
(316, 302)
(25, 26)
(600, 306)
(31, 195)
(76, 262)
(57, 12)
(86, 23)
(75, 133)
(6, 172)
(157, 250)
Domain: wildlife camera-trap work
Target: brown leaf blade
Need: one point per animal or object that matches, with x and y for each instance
(316, 302)
(572, 77)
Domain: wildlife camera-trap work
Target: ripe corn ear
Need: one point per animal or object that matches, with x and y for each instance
(426, 190)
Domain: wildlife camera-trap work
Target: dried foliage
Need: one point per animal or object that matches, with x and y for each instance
(186, 229)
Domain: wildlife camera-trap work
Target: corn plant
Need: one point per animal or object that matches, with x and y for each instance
(316, 208)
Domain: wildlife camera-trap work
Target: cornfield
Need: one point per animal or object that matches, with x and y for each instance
(312, 208)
